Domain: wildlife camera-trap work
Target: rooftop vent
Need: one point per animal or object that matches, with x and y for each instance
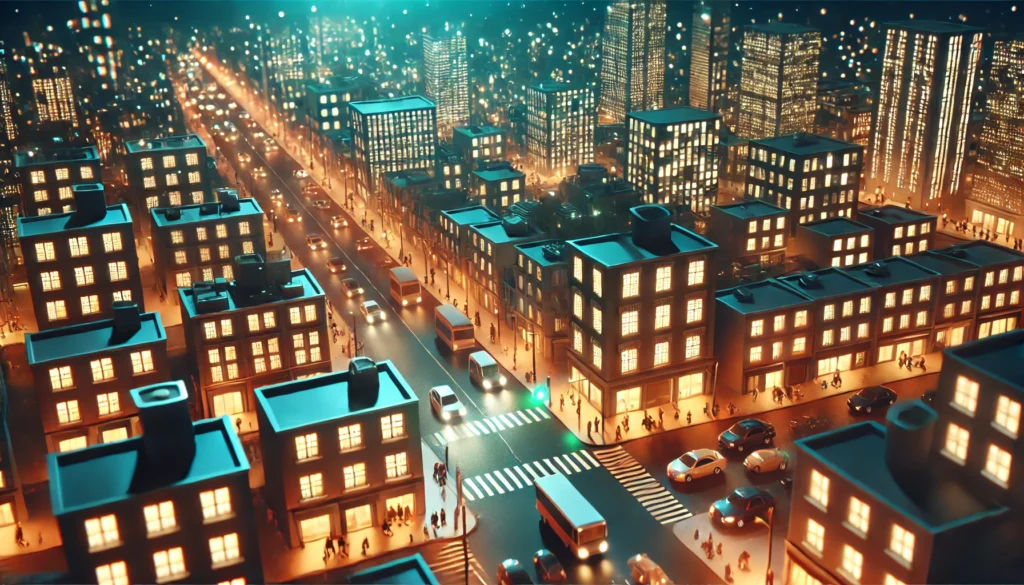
(250, 276)
(958, 253)
(211, 208)
(743, 295)
(877, 269)
(127, 321)
(908, 443)
(515, 226)
(553, 251)
(168, 437)
(363, 383)
(90, 205)
(805, 139)
(652, 228)
(172, 213)
(228, 199)
(809, 281)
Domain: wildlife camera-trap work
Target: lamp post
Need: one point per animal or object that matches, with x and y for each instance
(770, 524)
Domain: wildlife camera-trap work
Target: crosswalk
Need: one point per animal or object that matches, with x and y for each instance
(449, 565)
(517, 477)
(491, 424)
(653, 496)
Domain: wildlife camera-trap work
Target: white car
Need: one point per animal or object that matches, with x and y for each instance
(301, 173)
(372, 312)
(315, 242)
(445, 403)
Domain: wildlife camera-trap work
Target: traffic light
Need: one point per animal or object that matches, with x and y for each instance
(541, 393)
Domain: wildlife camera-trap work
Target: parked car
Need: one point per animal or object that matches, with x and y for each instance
(339, 221)
(315, 242)
(511, 572)
(747, 433)
(351, 288)
(363, 244)
(765, 460)
(372, 312)
(445, 403)
(870, 398)
(292, 214)
(321, 204)
(336, 265)
(742, 506)
(548, 568)
(646, 572)
(695, 464)
(301, 174)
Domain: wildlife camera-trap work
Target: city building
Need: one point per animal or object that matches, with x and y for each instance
(411, 570)
(906, 297)
(97, 43)
(83, 374)
(80, 263)
(12, 498)
(654, 357)
(392, 135)
(172, 504)
(8, 126)
(996, 201)
(479, 144)
(452, 170)
(560, 125)
(455, 239)
(497, 185)
(54, 95)
(919, 142)
(844, 112)
(403, 188)
(168, 172)
(603, 202)
(632, 59)
(956, 307)
(770, 324)
(48, 176)
(814, 177)
(285, 55)
(494, 253)
(672, 157)
(1001, 280)
(779, 80)
(269, 325)
(541, 302)
(749, 233)
(733, 157)
(710, 46)
(446, 78)
(367, 419)
(899, 231)
(327, 103)
(199, 242)
(844, 313)
(835, 242)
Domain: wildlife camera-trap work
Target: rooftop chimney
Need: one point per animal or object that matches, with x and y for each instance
(168, 438)
(908, 442)
(652, 228)
(804, 139)
(90, 204)
(363, 383)
(228, 199)
(127, 321)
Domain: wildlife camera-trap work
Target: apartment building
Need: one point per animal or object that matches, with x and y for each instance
(659, 304)
(170, 505)
(168, 172)
(493, 246)
(455, 238)
(452, 171)
(48, 176)
(497, 185)
(1001, 277)
(956, 305)
(837, 241)
(541, 301)
(340, 450)
(12, 498)
(560, 124)
(779, 80)
(392, 135)
(749, 233)
(479, 144)
(81, 262)
(899, 231)
(327, 103)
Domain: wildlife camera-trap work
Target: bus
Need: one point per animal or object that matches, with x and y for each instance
(571, 517)
(405, 287)
(454, 328)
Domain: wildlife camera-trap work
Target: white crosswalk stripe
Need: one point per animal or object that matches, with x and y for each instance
(522, 476)
(489, 425)
(514, 479)
(449, 565)
(659, 502)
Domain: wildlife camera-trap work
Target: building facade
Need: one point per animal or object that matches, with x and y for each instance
(47, 177)
(454, 239)
(709, 60)
(632, 59)
(845, 112)
(479, 144)
(541, 302)
(899, 231)
(560, 125)
(956, 307)
(168, 172)
(446, 78)
(327, 103)
(749, 233)
(392, 135)
(497, 186)
(1001, 278)
(835, 242)
(493, 246)
(779, 80)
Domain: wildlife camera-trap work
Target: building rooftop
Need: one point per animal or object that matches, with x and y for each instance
(471, 215)
(41, 225)
(825, 283)
(835, 226)
(894, 270)
(408, 178)
(496, 232)
(674, 116)
(618, 249)
(411, 570)
(998, 356)
(235, 300)
(387, 106)
(336, 85)
(535, 251)
(498, 173)
(982, 253)
(121, 464)
(89, 338)
(325, 398)
(894, 214)
(764, 295)
(857, 453)
(933, 26)
(169, 143)
(553, 87)
(802, 144)
(193, 213)
(781, 28)
(31, 158)
(751, 209)
(943, 262)
(477, 131)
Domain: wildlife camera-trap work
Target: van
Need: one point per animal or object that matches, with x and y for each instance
(483, 371)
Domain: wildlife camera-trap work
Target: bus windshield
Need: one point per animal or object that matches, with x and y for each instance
(410, 288)
(588, 535)
(488, 371)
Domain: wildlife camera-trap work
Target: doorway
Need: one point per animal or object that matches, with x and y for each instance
(315, 528)
(358, 518)
(227, 404)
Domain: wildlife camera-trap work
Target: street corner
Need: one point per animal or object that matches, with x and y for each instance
(694, 532)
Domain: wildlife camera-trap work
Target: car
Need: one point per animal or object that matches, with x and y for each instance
(244, 115)
(372, 312)
(293, 215)
(512, 572)
(339, 221)
(870, 398)
(765, 460)
(321, 204)
(269, 147)
(259, 172)
(387, 262)
(646, 572)
(244, 158)
(750, 432)
(742, 506)
(351, 288)
(445, 403)
(258, 134)
(363, 244)
(315, 242)
(276, 197)
(696, 464)
(336, 265)
(301, 174)
(221, 96)
(232, 106)
(548, 568)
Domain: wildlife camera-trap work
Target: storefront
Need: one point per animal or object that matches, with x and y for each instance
(643, 394)
(952, 335)
(912, 346)
(995, 325)
(844, 359)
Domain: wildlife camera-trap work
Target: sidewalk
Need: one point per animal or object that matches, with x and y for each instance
(754, 540)
(41, 530)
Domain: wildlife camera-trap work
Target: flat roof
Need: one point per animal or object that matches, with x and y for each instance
(618, 249)
(386, 106)
(343, 84)
(674, 116)
(41, 225)
(31, 158)
(857, 452)
(894, 214)
(982, 253)
(310, 288)
(169, 143)
(900, 270)
(933, 26)
(998, 356)
(766, 295)
(477, 131)
(836, 226)
(825, 283)
(805, 144)
(555, 86)
(751, 209)
(498, 173)
(494, 232)
(535, 251)
(121, 464)
(408, 177)
(411, 570)
(471, 215)
(319, 399)
(89, 338)
(943, 262)
(781, 28)
(191, 213)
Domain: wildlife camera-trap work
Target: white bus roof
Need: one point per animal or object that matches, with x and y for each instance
(454, 316)
(483, 358)
(569, 500)
(404, 275)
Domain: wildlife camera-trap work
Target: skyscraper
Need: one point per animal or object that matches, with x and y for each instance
(560, 120)
(709, 59)
(286, 66)
(51, 85)
(98, 47)
(922, 112)
(392, 135)
(779, 83)
(632, 59)
(997, 201)
(8, 129)
(446, 78)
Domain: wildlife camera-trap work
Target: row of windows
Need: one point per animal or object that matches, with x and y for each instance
(220, 232)
(223, 253)
(779, 322)
(61, 377)
(170, 161)
(629, 317)
(222, 362)
(78, 246)
(631, 280)
(57, 310)
(629, 353)
(920, 320)
(226, 327)
(61, 174)
(911, 230)
(396, 466)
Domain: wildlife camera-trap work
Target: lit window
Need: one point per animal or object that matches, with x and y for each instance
(102, 369)
(695, 273)
(350, 437)
(630, 322)
(354, 476)
(171, 179)
(819, 488)
(112, 242)
(859, 515)
(118, 271)
(755, 354)
(216, 503)
(194, 177)
(224, 549)
(921, 319)
(396, 465)
(112, 574)
(757, 328)
(630, 284)
(60, 378)
(661, 353)
(799, 345)
(663, 278)
(146, 164)
(169, 564)
(628, 359)
(55, 310)
(294, 315)
(108, 403)
(577, 305)
(925, 294)
(890, 580)
(694, 310)
(191, 159)
(597, 354)
(853, 562)
(577, 339)
(890, 300)
(170, 162)
(201, 234)
(392, 426)
(1007, 415)
(149, 182)
(160, 518)
(177, 237)
(86, 172)
(662, 316)
(830, 312)
(84, 275)
(102, 532)
(693, 343)
(901, 542)
(598, 282)
(79, 246)
(38, 177)
(957, 439)
(577, 268)
(815, 536)
(312, 486)
(965, 397)
(306, 446)
(801, 319)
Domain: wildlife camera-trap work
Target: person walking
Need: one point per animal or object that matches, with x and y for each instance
(743, 563)
(342, 545)
(754, 393)
(444, 521)
(408, 515)
(366, 545)
(329, 547)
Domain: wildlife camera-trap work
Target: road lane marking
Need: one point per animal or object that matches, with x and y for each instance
(469, 484)
(571, 464)
(550, 466)
(660, 503)
(490, 423)
(582, 461)
(532, 415)
(494, 483)
(528, 472)
(562, 465)
(514, 479)
(480, 481)
(504, 481)
(523, 475)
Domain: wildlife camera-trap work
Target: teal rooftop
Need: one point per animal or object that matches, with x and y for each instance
(236, 301)
(761, 296)
(90, 338)
(837, 226)
(42, 225)
(471, 215)
(411, 570)
(804, 144)
(194, 213)
(393, 105)
(161, 144)
(617, 249)
(674, 116)
(889, 271)
(541, 252)
(31, 158)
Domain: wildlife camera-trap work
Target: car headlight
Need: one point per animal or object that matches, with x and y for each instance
(369, 318)
(446, 415)
(582, 553)
(732, 444)
(487, 384)
(728, 520)
(857, 407)
(360, 290)
(419, 299)
(711, 510)
(603, 547)
(383, 317)
(405, 303)
(462, 411)
(502, 380)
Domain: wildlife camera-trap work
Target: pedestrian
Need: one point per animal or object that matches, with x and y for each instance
(329, 547)
(696, 534)
(588, 428)
(561, 399)
(342, 545)
(707, 411)
(444, 521)
(385, 528)
(408, 515)
(426, 532)
(366, 545)
(728, 573)
(661, 417)
(824, 385)
(618, 432)
(921, 364)
(465, 308)
(392, 513)
(754, 393)
(437, 467)
(689, 416)
(19, 535)
(719, 549)
(433, 520)
(238, 424)
(769, 578)
(910, 365)
(743, 563)
(597, 422)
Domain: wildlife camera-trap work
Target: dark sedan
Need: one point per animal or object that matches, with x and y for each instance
(751, 433)
(870, 398)
(511, 572)
(742, 506)
(549, 570)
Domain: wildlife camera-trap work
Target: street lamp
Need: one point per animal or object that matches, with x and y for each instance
(769, 577)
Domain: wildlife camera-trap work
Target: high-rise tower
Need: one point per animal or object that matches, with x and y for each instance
(632, 59)
(446, 78)
(709, 60)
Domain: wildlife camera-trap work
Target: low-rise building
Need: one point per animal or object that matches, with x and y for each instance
(48, 176)
(167, 172)
(497, 185)
(749, 233)
(452, 170)
(899, 231)
(494, 253)
(602, 201)
(836, 241)
(327, 103)
(455, 239)
(541, 303)
(1001, 278)
(956, 303)
(479, 144)
(340, 450)
(170, 505)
